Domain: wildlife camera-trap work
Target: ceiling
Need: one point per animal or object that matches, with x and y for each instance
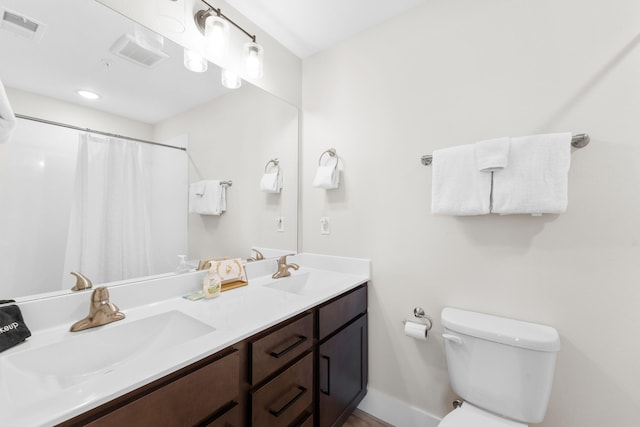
(308, 26)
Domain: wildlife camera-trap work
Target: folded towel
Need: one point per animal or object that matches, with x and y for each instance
(537, 177)
(13, 330)
(207, 197)
(271, 182)
(492, 154)
(327, 177)
(7, 117)
(458, 187)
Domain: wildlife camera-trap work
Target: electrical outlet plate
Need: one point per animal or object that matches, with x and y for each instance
(325, 227)
(280, 223)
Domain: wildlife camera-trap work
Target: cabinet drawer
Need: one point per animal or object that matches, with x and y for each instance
(278, 348)
(283, 399)
(230, 418)
(186, 401)
(336, 313)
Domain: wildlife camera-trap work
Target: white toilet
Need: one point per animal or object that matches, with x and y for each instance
(501, 368)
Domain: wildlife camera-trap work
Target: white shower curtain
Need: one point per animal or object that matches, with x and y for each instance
(109, 238)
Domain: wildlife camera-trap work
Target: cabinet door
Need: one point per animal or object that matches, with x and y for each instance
(342, 380)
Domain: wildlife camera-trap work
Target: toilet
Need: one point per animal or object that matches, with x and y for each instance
(501, 368)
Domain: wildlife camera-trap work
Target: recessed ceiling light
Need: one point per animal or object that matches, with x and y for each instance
(88, 94)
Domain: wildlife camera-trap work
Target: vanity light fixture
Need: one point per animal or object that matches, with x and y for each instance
(217, 34)
(87, 94)
(195, 62)
(253, 53)
(230, 80)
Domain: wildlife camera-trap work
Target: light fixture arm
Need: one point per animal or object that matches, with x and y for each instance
(202, 15)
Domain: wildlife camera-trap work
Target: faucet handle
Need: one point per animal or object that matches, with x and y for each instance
(283, 258)
(82, 282)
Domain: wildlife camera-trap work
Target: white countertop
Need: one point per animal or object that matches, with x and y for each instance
(31, 400)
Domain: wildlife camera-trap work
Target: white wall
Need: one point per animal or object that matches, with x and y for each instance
(232, 138)
(453, 72)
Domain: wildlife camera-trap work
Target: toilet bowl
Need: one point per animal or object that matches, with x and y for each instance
(502, 369)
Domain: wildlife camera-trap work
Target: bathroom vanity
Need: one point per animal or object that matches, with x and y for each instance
(285, 352)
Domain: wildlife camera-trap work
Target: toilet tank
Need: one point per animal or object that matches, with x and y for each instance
(504, 366)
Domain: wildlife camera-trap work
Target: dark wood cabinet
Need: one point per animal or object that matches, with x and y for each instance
(310, 370)
(195, 395)
(342, 373)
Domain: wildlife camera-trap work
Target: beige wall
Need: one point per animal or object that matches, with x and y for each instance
(232, 138)
(452, 72)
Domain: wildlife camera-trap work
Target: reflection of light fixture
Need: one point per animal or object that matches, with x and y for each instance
(253, 63)
(231, 80)
(253, 53)
(194, 61)
(217, 34)
(87, 94)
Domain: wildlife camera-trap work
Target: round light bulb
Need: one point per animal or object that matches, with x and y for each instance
(194, 61)
(230, 80)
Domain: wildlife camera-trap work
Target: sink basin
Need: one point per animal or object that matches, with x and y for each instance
(98, 351)
(310, 282)
(295, 284)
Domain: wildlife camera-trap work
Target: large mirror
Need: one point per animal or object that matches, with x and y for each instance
(56, 214)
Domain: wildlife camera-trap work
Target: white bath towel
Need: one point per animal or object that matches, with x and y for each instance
(537, 177)
(458, 187)
(7, 117)
(327, 177)
(271, 182)
(207, 197)
(492, 154)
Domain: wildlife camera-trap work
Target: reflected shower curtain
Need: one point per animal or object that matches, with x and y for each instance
(109, 227)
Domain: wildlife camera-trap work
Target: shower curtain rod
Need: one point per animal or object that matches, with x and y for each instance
(114, 135)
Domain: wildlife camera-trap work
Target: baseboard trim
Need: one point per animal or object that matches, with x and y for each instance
(395, 412)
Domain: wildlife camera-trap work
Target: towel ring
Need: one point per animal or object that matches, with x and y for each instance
(332, 153)
(276, 164)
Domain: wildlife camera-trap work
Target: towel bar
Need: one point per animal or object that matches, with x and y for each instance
(226, 183)
(579, 140)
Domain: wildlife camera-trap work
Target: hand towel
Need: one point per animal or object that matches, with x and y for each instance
(13, 330)
(458, 187)
(271, 182)
(7, 117)
(207, 197)
(492, 154)
(327, 177)
(537, 177)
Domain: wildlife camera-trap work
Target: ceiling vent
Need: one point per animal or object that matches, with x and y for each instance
(20, 25)
(126, 47)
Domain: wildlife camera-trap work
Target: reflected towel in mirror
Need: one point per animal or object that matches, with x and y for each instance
(208, 197)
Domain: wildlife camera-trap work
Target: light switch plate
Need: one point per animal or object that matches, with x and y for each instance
(280, 223)
(325, 226)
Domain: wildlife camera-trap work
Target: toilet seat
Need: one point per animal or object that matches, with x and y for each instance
(468, 415)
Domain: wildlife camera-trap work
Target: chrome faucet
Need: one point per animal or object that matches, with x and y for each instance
(283, 267)
(82, 282)
(101, 312)
(259, 256)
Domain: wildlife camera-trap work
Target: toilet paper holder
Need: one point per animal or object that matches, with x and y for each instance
(419, 313)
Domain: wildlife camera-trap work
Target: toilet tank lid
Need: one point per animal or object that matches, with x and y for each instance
(511, 332)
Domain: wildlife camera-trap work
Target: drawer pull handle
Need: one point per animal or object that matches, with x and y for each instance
(299, 394)
(300, 340)
(324, 379)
